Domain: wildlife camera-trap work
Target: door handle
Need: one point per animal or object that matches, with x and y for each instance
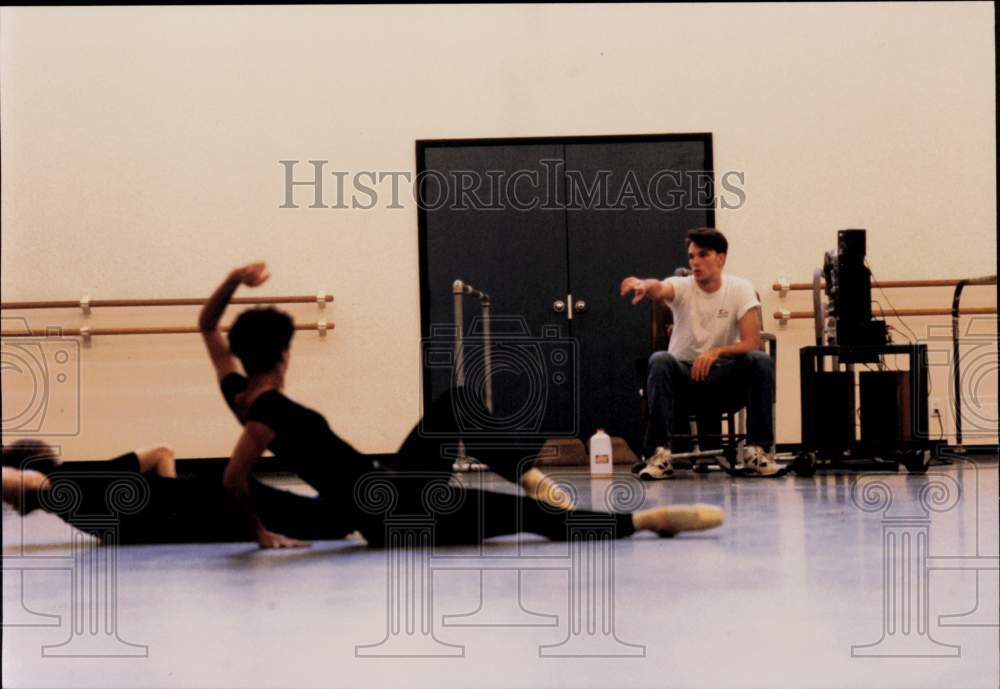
(559, 306)
(580, 306)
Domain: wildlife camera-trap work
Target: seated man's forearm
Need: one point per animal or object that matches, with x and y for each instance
(739, 348)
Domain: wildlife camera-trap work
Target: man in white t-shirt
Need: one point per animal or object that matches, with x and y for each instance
(714, 355)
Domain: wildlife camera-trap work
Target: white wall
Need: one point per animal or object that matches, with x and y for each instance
(140, 150)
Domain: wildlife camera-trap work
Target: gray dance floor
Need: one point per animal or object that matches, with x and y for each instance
(841, 580)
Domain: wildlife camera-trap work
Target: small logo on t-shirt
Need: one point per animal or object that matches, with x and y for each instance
(723, 313)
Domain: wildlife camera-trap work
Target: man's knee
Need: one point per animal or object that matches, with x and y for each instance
(661, 363)
(760, 365)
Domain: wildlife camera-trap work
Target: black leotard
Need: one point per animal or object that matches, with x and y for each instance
(304, 440)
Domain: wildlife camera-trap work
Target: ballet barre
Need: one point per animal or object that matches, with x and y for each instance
(785, 315)
(783, 286)
(86, 331)
(86, 303)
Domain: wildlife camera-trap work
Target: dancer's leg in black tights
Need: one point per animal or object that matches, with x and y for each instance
(441, 429)
(300, 516)
(462, 515)
(421, 461)
(191, 509)
(485, 514)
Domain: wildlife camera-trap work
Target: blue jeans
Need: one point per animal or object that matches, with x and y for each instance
(732, 383)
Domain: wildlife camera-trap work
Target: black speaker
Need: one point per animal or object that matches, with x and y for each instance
(828, 411)
(854, 300)
(849, 286)
(851, 246)
(886, 409)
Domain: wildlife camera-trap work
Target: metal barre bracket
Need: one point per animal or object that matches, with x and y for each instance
(459, 287)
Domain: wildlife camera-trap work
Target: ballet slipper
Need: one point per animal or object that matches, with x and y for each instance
(542, 488)
(671, 520)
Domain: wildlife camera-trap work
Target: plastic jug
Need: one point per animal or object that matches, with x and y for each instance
(601, 464)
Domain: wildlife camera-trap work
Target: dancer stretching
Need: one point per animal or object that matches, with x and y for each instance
(146, 500)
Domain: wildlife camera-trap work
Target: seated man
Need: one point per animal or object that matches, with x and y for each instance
(714, 355)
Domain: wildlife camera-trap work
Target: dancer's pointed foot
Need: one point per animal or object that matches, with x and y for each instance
(671, 520)
(540, 487)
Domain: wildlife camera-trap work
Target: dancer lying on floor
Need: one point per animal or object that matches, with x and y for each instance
(159, 506)
(260, 338)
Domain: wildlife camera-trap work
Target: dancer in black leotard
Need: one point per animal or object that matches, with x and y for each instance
(260, 339)
(143, 498)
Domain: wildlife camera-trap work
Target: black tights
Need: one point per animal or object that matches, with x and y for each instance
(432, 445)
(191, 509)
(420, 471)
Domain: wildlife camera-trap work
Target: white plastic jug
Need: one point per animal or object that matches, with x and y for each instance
(601, 463)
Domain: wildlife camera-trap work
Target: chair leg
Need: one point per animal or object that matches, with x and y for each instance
(732, 441)
(741, 430)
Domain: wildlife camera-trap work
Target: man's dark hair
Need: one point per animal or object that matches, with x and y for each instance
(259, 337)
(30, 454)
(708, 238)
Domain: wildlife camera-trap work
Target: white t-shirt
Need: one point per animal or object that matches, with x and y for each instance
(703, 320)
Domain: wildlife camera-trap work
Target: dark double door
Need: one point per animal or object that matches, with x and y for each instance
(548, 228)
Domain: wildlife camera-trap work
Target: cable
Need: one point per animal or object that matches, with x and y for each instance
(892, 329)
(888, 326)
(888, 301)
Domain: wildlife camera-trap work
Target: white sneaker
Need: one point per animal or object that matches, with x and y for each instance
(758, 462)
(659, 466)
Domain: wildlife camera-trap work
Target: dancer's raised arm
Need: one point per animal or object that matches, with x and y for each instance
(251, 275)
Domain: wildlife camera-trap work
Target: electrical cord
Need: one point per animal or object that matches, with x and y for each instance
(930, 381)
(889, 302)
(890, 328)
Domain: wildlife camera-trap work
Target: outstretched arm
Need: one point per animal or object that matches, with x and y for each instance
(236, 483)
(650, 287)
(252, 275)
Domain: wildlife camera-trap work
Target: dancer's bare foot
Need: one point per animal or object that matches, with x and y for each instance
(668, 521)
(540, 487)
